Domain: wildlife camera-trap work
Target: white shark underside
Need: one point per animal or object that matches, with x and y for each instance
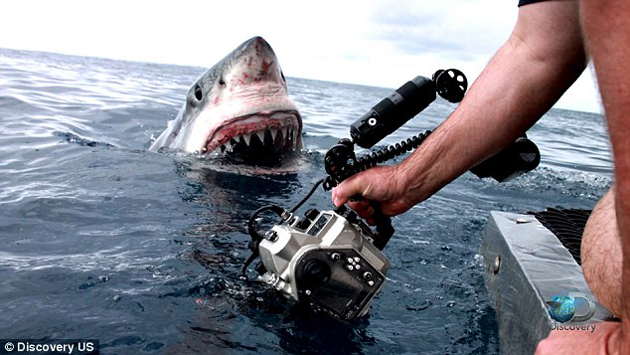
(240, 106)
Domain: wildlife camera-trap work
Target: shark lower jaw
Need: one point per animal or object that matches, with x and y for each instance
(258, 137)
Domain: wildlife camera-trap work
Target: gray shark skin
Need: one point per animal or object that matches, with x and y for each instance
(239, 107)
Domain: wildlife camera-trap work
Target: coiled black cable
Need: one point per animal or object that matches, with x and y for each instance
(371, 159)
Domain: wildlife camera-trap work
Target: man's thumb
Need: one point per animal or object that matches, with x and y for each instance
(347, 189)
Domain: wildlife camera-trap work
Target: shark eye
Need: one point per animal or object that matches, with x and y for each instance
(198, 93)
(221, 82)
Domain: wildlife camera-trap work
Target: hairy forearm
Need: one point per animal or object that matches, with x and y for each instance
(516, 88)
(608, 38)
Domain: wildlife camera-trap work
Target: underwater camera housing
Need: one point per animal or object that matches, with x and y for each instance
(332, 261)
(329, 261)
(326, 260)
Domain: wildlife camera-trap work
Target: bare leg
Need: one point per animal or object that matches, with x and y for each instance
(602, 254)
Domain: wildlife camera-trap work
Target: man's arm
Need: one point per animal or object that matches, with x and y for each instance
(608, 37)
(542, 58)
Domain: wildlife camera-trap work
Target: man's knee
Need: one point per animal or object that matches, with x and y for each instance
(602, 254)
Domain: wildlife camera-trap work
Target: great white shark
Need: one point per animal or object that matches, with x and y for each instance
(240, 107)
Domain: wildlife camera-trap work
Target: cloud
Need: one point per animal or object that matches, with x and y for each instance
(452, 28)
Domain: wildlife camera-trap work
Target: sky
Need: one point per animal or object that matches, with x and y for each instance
(377, 43)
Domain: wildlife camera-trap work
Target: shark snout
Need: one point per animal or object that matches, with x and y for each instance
(258, 63)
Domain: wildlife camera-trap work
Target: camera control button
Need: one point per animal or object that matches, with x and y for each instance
(351, 216)
(335, 256)
(350, 267)
(311, 214)
(367, 275)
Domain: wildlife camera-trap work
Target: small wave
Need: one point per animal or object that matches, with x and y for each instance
(70, 137)
(114, 260)
(574, 183)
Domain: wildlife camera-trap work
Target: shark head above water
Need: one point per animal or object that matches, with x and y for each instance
(239, 108)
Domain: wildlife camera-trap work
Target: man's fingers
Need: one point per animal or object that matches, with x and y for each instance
(351, 187)
(337, 199)
(359, 205)
(366, 213)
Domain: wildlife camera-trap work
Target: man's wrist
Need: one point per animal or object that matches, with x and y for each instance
(409, 182)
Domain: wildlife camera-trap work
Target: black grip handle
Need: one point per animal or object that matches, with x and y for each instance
(382, 223)
(384, 228)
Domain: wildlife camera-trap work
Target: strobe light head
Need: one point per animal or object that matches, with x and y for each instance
(405, 103)
(450, 84)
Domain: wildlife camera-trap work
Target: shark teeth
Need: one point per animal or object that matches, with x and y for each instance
(247, 138)
(284, 135)
(261, 135)
(290, 134)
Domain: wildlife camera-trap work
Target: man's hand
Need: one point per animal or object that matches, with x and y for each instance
(381, 184)
(604, 340)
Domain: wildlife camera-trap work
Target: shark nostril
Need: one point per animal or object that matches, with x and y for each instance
(198, 93)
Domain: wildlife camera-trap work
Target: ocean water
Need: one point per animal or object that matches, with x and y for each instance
(102, 239)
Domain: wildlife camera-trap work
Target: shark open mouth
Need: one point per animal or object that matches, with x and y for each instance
(261, 138)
